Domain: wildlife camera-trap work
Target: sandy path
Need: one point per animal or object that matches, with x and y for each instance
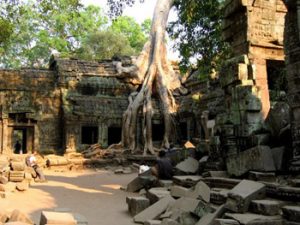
(94, 194)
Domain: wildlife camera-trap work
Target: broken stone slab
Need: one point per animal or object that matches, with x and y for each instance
(54, 218)
(184, 204)
(137, 204)
(265, 207)
(187, 218)
(17, 166)
(215, 174)
(168, 221)
(3, 180)
(152, 222)
(154, 211)
(188, 166)
(240, 197)
(165, 183)
(291, 213)
(221, 182)
(259, 158)
(22, 186)
(209, 218)
(3, 216)
(200, 191)
(225, 222)
(186, 181)
(260, 176)
(218, 196)
(254, 219)
(202, 209)
(18, 216)
(155, 194)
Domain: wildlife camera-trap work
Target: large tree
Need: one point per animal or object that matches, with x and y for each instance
(154, 73)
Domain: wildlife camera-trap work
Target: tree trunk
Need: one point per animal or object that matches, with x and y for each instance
(152, 70)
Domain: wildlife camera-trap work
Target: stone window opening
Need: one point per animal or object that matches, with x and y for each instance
(114, 135)
(89, 135)
(277, 81)
(158, 131)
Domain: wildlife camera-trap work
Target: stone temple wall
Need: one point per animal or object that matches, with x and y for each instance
(30, 104)
(292, 50)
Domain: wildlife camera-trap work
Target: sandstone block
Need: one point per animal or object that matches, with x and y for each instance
(240, 197)
(209, 218)
(22, 186)
(254, 219)
(18, 216)
(137, 204)
(265, 207)
(57, 218)
(155, 194)
(291, 213)
(18, 166)
(186, 181)
(188, 166)
(3, 180)
(154, 211)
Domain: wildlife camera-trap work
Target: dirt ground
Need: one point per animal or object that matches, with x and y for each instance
(94, 194)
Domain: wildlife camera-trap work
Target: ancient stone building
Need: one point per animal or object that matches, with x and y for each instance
(73, 104)
(292, 50)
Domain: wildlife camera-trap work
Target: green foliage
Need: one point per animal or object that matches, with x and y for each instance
(197, 33)
(105, 45)
(135, 33)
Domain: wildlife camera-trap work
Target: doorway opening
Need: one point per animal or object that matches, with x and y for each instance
(158, 131)
(114, 135)
(22, 139)
(89, 135)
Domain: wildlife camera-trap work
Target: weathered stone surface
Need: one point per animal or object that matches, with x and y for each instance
(165, 183)
(203, 209)
(18, 216)
(10, 187)
(48, 218)
(18, 166)
(278, 154)
(137, 204)
(155, 194)
(259, 176)
(225, 222)
(188, 166)
(135, 185)
(254, 219)
(184, 204)
(240, 197)
(218, 195)
(291, 213)
(265, 207)
(22, 186)
(3, 216)
(16, 176)
(152, 222)
(178, 191)
(258, 158)
(209, 218)
(186, 181)
(154, 211)
(169, 222)
(3, 180)
(215, 174)
(187, 218)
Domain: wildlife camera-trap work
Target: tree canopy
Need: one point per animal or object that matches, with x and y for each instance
(31, 30)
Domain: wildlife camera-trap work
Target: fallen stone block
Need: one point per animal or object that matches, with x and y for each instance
(188, 166)
(260, 176)
(291, 213)
(165, 183)
(56, 218)
(168, 221)
(240, 197)
(152, 222)
(215, 174)
(17, 166)
(16, 176)
(184, 204)
(218, 196)
(187, 218)
(155, 194)
(18, 216)
(3, 180)
(135, 185)
(154, 211)
(265, 207)
(259, 158)
(186, 181)
(202, 209)
(201, 191)
(225, 222)
(137, 204)
(22, 186)
(254, 219)
(209, 218)
(10, 187)
(178, 191)
(3, 216)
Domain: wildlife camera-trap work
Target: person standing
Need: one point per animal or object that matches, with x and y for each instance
(18, 147)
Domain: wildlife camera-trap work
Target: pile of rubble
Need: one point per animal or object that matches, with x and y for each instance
(213, 198)
(57, 217)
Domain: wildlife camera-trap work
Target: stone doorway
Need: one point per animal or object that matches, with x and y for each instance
(25, 136)
(114, 135)
(89, 135)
